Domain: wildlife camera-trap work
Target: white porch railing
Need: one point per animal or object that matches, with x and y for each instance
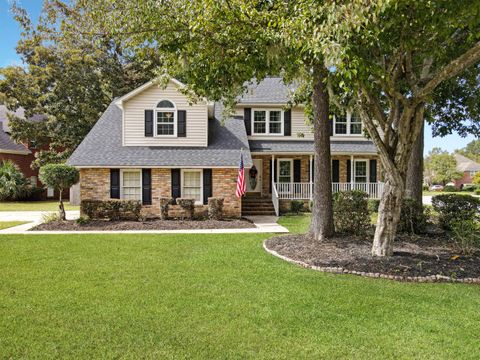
(303, 191)
(275, 202)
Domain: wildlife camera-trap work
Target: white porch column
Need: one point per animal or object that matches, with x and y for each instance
(352, 169)
(311, 177)
(273, 170)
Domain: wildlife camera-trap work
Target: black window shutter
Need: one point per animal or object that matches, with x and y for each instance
(297, 170)
(335, 171)
(331, 127)
(349, 170)
(149, 123)
(247, 117)
(115, 183)
(274, 174)
(176, 189)
(287, 126)
(146, 186)
(373, 171)
(182, 123)
(207, 185)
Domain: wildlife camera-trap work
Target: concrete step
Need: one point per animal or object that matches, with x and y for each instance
(258, 213)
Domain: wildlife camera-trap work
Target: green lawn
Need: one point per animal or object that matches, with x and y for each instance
(214, 297)
(34, 206)
(433, 193)
(9, 224)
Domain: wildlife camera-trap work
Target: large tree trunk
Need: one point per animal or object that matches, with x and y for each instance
(388, 219)
(322, 215)
(414, 185)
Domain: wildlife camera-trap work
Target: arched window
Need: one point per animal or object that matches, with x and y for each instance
(166, 118)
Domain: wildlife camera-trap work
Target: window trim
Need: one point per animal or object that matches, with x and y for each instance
(141, 182)
(291, 169)
(267, 122)
(348, 124)
(156, 110)
(182, 172)
(367, 169)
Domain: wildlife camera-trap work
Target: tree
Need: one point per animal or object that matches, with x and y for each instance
(472, 150)
(13, 184)
(59, 177)
(69, 80)
(442, 166)
(476, 178)
(397, 63)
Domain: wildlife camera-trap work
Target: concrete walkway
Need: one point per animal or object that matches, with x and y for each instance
(33, 216)
(264, 224)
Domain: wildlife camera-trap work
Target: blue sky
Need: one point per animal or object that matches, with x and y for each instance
(10, 32)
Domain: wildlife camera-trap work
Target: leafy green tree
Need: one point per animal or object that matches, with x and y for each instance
(68, 79)
(59, 177)
(472, 150)
(476, 178)
(441, 166)
(13, 184)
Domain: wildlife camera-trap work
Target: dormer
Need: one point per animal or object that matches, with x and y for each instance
(163, 116)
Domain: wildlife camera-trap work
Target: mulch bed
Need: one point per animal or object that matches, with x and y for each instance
(154, 224)
(414, 257)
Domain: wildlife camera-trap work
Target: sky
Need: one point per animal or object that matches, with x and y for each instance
(10, 33)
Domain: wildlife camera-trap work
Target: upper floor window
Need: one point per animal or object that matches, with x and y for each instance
(267, 122)
(347, 125)
(166, 118)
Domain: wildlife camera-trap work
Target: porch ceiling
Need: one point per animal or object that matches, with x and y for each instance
(306, 146)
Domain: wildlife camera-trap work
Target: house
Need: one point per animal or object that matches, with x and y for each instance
(22, 154)
(468, 168)
(152, 143)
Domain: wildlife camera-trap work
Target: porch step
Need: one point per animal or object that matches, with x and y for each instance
(257, 206)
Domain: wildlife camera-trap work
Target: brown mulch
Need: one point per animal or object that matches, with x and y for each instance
(154, 224)
(413, 256)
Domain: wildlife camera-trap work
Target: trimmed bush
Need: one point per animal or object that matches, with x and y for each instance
(412, 217)
(477, 192)
(296, 206)
(215, 208)
(469, 188)
(164, 205)
(373, 205)
(456, 207)
(13, 185)
(350, 212)
(450, 188)
(466, 236)
(83, 220)
(188, 205)
(111, 209)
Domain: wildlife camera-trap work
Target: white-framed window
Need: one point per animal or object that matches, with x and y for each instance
(285, 170)
(349, 124)
(166, 118)
(267, 122)
(131, 184)
(192, 185)
(360, 171)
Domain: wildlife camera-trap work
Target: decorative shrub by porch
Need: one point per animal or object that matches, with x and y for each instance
(111, 209)
(456, 207)
(215, 208)
(373, 205)
(350, 212)
(13, 185)
(188, 205)
(412, 217)
(164, 205)
(296, 206)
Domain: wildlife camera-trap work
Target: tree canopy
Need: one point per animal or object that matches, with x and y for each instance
(441, 167)
(471, 151)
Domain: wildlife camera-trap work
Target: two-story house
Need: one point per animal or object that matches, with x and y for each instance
(153, 143)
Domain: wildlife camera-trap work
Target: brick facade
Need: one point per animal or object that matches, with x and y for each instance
(95, 185)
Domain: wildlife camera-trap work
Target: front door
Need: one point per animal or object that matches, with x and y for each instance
(254, 176)
(284, 176)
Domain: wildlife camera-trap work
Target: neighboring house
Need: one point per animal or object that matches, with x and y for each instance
(152, 143)
(20, 154)
(468, 168)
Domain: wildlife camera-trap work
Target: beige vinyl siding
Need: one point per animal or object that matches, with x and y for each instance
(133, 118)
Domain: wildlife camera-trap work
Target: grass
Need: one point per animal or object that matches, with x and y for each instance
(9, 224)
(34, 206)
(433, 193)
(214, 297)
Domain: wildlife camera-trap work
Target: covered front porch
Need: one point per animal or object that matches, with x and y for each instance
(286, 177)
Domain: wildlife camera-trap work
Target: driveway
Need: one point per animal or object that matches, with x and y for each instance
(427, 199)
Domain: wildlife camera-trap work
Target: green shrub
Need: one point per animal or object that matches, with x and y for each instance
(111, 209)
(49, 217)
(13, 185)
(477, 191)
(425, 187)
(373, 205)
(215, 208)
(350, 212)
(455, 207)
(466, 236)
(83, 220)
(450, 188)
(413, 218)
(296, 206)
(469, 188)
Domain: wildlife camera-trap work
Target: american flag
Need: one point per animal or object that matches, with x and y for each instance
(241, 184)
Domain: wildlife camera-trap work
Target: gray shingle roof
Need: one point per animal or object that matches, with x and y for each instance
(103, 147)
(6, 143)
(466, 164)
(19, 113)
(270, 90)
(337, 147)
